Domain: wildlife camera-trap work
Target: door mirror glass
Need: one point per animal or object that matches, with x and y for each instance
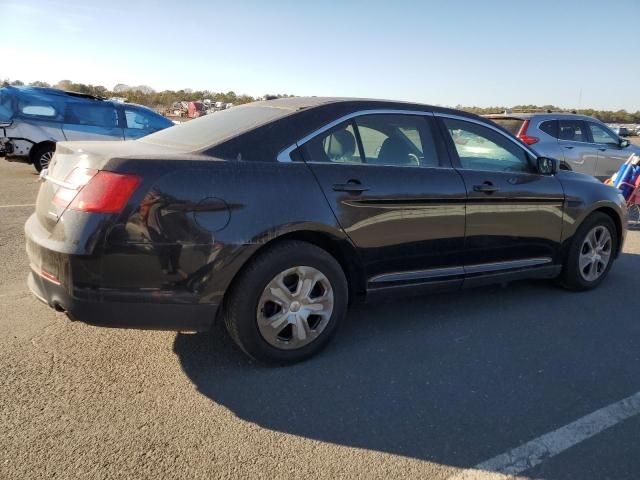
(547, 166)
(624, 143)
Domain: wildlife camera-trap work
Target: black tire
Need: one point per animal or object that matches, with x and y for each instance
(40, 153)
(571, 278)
(240, 309)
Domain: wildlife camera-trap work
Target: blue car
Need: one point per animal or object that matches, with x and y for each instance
(33, 119)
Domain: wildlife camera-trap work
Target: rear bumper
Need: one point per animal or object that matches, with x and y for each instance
(124, 314)
(56, 278)
(148, 315)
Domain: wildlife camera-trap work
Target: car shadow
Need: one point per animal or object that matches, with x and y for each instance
(454, 378)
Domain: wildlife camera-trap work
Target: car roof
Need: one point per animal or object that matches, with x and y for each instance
(541, 115)
(293, 104)
(29, 90)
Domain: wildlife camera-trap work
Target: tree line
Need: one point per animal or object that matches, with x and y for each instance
(606, 116)
(155, 100)
(166, 98)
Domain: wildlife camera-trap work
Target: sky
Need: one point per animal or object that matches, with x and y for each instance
(569, 53)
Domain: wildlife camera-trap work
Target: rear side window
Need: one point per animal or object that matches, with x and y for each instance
(550, 127)
(338, 145)
(91, 114)
(572, 131)
(385, 140)
(512, 125)
(39, 110)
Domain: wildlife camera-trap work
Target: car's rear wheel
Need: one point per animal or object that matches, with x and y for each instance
(42, 156)
(286, 304)
(591, 253)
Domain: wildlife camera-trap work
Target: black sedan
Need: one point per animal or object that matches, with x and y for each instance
(274, 216)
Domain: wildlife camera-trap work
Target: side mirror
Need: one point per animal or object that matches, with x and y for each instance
(548, 166)
(624, 143)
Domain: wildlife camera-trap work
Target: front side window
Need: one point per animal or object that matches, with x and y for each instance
(603, 135)
(481, 148)
(572, 131)
(91, 114)
(382, 139)
(141, 120)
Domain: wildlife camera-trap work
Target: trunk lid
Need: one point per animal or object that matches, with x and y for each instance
(61, 183)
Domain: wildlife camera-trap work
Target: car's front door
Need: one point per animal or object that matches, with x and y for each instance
(514, 214)
(139, 122)
(393, 191)
(611, 154)
(578, 153)
(91, 120)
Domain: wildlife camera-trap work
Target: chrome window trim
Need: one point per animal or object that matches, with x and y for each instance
(285, 155)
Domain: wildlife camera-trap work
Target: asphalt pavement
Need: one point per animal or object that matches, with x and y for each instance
(431, 387)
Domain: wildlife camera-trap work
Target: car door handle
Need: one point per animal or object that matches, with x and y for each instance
(352, 186)
(486, 187)
(602, 149)
(568, 147)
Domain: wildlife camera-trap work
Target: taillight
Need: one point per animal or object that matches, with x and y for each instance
(522, 134)
(96, 191)
(106, 192)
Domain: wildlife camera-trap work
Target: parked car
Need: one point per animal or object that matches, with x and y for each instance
(581, 143)
(274, 216)
(622, 131)
(33, 120)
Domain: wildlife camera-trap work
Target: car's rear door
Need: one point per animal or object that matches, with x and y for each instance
(610, 152)
(579, 154)
(91, 120)
(514, 214)
(393, 191)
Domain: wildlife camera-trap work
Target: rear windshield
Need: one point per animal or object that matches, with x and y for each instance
(512, 125)
(215, 128)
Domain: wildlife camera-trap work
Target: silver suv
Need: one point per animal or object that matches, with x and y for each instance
(580, 143)
(33, 119)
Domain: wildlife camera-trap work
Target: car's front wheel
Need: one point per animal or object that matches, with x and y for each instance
(591, 253)
(286, 304)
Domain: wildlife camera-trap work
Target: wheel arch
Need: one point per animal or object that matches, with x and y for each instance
(617, 221)
(339, 248)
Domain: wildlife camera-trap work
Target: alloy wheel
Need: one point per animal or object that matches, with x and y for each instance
(595, 253)
(45, 158)
(295, 307)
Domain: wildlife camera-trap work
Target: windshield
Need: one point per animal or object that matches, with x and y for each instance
(215, 128)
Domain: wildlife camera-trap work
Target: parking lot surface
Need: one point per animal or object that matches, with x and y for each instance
(432, 387)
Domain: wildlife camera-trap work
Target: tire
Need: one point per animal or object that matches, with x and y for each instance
(42, 156)
(572, 277)
(265, 322)
(634, 216)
